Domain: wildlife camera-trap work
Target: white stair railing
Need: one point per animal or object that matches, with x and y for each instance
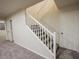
(48, 38)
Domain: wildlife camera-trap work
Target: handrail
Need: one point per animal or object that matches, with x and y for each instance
(40, 24)
(52, 34)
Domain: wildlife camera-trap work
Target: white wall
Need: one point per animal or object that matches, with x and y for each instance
(24, 37)
(64, 20)
(47, 13)
(8, 29)
(69, 25)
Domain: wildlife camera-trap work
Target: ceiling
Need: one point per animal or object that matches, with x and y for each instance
(8, 7)
(65, 3)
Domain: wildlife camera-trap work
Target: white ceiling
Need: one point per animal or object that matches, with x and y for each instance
(8, 7)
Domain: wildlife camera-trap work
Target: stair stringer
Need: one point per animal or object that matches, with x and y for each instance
(35, 45)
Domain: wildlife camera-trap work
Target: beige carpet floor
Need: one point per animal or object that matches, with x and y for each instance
(9, 50)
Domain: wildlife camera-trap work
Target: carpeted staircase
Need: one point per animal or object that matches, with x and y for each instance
(63, 53)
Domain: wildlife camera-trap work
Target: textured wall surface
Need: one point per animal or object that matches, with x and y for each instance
(69, 25)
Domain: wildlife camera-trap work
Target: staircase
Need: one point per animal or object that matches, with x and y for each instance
(47, 38)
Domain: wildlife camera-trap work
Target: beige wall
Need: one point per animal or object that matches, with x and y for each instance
(69, 25)
(64, 20)
(39, 9)
(51, 19)
(46, 13)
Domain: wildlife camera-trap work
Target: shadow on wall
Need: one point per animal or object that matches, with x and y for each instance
(2, 31)
(2, 26)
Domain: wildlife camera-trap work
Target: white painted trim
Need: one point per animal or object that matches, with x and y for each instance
(53, 34)
(40, 24)
(32, 51)
(54, 49)
(40, 41)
